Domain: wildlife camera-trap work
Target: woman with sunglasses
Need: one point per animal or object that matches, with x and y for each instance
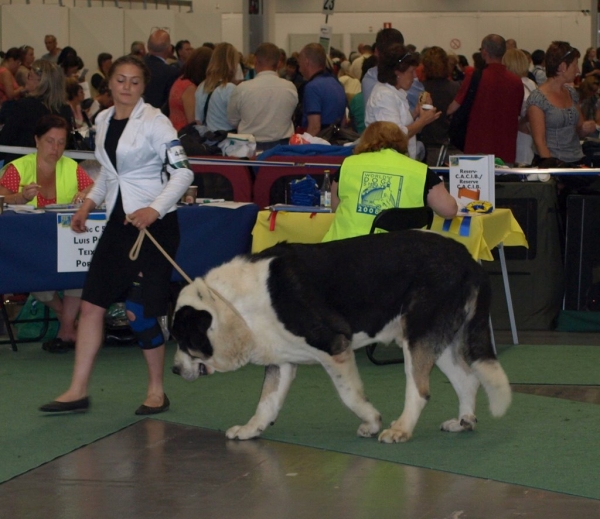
(388, 100)
(556, 121)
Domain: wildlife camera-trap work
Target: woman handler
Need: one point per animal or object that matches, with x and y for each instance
(132, 141)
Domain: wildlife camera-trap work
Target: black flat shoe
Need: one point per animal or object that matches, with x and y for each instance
(58, 346)
(80, 406)
(145, 410)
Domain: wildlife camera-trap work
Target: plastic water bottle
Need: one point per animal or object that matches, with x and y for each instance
(326, 191)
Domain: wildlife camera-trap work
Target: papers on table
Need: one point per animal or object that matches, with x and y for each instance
(24, 209)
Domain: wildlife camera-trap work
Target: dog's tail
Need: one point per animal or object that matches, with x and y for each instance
(480, 351)
(496, 385)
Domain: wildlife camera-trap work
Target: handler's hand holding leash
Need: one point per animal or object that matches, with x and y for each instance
(142, 218)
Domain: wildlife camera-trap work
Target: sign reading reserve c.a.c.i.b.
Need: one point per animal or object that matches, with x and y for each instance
(328, 6)
(74, 250)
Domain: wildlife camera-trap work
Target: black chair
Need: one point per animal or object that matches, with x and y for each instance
(401, 219)
(398, 219)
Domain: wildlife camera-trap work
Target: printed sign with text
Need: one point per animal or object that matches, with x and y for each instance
(74, 251)
(472, 179)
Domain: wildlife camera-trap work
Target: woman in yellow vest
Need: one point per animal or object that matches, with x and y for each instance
(41, 179)
(379, 176)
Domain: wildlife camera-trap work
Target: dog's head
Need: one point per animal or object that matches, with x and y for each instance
(210, 334)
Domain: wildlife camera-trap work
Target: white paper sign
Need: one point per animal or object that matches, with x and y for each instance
(74, 251)
(325, 36)
(472, 179)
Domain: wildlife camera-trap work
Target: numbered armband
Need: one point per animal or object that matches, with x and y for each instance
(176, 155)
(175, 158)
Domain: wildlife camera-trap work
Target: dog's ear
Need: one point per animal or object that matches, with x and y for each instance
(189, 329)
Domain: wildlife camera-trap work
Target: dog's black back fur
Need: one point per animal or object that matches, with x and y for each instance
(329, 291)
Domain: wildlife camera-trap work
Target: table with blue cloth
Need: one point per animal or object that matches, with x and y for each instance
(28, 262)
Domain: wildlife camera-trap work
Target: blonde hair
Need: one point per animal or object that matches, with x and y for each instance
(221, 67)
(516, 62)
(51, 88)
(382, 135)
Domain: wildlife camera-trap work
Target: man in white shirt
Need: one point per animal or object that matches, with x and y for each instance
(264, 106)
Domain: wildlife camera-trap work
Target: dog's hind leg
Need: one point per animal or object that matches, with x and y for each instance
(275, 388)
(418, 362)
(466, 384)
(344, 374)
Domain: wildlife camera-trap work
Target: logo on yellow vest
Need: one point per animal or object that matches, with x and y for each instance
(378, 191)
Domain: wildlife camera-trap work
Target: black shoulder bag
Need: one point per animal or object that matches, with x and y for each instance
(457, 132)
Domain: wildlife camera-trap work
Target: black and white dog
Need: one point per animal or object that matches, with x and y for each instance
(305, 304)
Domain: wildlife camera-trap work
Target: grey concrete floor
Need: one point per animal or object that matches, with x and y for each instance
(163, 470)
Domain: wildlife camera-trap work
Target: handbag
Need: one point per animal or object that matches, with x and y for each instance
(336, 135)
(457, 132)
(196, 144)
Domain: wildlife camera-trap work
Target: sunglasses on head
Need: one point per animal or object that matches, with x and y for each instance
(565, 56)
(404, 57)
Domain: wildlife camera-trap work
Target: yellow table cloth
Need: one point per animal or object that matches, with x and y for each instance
(479, 233)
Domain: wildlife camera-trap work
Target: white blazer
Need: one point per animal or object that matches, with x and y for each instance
(140, 155)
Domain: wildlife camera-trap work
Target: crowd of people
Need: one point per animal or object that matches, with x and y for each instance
(527, 109)
(386, 80)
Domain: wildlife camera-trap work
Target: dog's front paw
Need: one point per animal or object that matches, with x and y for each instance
(242, 432)
(465, 423)
(368, 429)
(394, 436)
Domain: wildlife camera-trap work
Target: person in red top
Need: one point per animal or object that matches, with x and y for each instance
(493, 121)
(9, 88)
(182, 97)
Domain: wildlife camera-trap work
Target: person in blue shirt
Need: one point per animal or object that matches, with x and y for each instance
(324, 101)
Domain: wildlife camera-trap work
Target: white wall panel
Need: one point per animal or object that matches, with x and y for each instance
(531, 30)
(139, 24)
(94, 30)
(28, 24)
(198, 28)
(233, 30)
(430, 6)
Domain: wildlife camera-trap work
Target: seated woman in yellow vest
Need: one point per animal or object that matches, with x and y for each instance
(44, 178)
(379, 176)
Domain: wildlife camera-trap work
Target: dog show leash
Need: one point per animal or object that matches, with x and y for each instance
(137, 246)
(135, 252)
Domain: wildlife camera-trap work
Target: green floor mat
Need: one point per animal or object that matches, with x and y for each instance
(542, 442)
